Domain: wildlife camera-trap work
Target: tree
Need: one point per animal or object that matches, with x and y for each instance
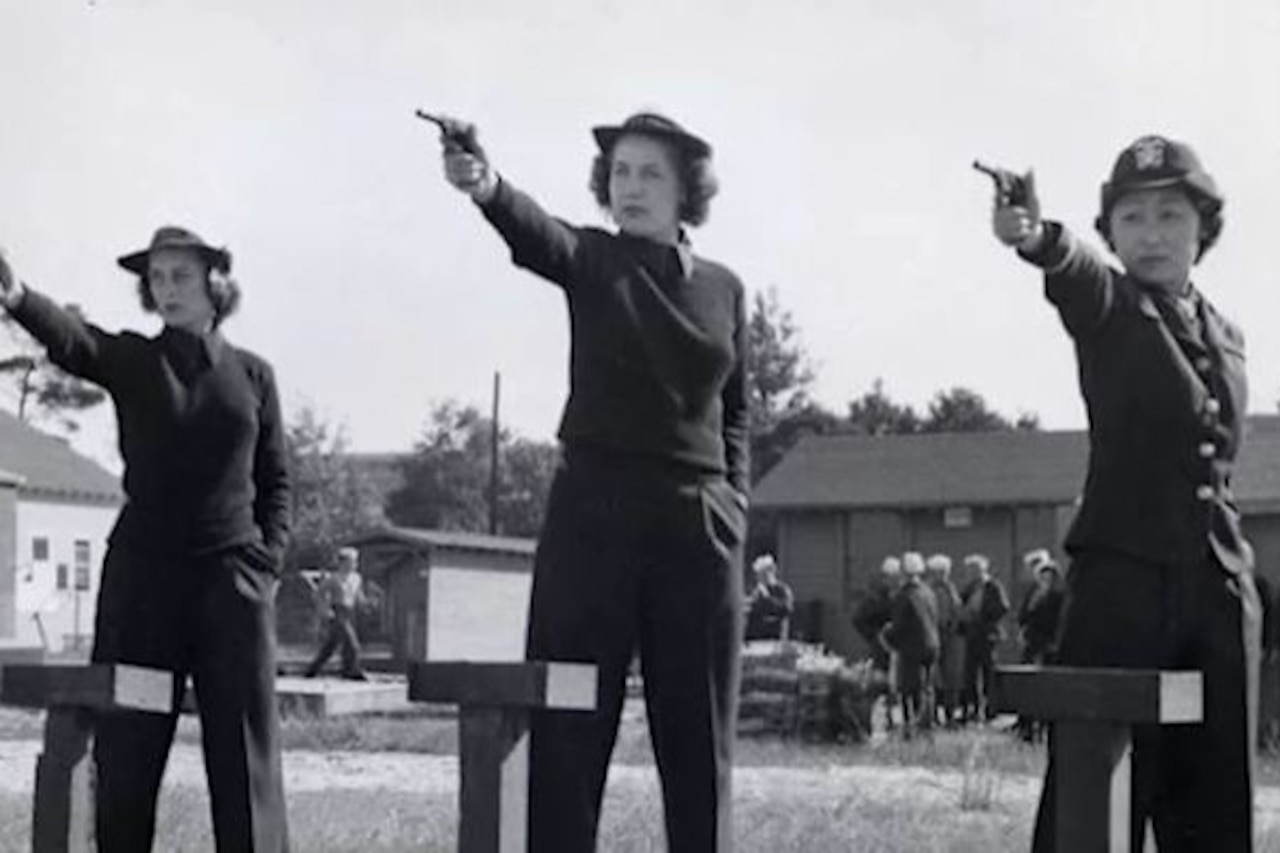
(963, 410)
(524, 484)
(446, 480)
(44, 392)
(767, 449)
(778, 371)
(955, 410)
(778, 379)
(332, 498)
(874, 413)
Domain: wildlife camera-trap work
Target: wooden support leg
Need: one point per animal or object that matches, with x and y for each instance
(1092, 767)
(63, 820)
(495, 700)
(493, 801)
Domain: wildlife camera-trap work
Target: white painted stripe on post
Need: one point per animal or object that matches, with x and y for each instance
(571, 686)
(143, 689)
(1181, 697)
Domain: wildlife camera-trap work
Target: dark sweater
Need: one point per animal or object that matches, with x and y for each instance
(658, 340)
(199, 428)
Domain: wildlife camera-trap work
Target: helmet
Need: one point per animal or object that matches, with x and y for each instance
(1155, 161)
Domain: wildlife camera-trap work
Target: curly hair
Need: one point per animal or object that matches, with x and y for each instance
(222, 289)
(697, 180)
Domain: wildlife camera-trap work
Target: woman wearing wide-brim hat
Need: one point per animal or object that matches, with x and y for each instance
(642, 544)
(189, 579)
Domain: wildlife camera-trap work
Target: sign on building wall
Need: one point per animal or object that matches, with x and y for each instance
(957, 516)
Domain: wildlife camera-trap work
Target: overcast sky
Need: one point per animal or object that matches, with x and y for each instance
(843, 129)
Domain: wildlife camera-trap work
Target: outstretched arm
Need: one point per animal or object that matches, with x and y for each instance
(1078, 281)
(539, 242)
(77, 347)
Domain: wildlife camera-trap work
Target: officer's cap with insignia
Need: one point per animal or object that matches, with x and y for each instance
(1152, 162)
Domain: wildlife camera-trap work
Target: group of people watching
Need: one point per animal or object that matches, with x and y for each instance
(935, 639)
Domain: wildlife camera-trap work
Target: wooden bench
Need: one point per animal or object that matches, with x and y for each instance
(1093, 712)
(494, 701)
(62, 820)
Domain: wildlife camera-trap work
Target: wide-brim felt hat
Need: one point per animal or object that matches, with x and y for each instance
(655, 125)
(176, 237)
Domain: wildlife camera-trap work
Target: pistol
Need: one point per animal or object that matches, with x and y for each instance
(1011, 188)
(456, 135)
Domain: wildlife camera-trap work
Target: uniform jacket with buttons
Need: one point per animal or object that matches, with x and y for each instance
(1165, 392)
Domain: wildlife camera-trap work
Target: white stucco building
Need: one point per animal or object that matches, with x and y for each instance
(56, 510)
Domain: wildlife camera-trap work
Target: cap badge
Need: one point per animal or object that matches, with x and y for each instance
(1148, 153)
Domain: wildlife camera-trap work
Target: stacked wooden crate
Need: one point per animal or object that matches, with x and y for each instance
(770, 688)
(797, 689)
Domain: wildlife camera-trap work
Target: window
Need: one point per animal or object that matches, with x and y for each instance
(83, 554)
(62, 575)
(40, 549)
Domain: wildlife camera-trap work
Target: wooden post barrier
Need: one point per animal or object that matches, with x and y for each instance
(1093, 712)
(494, 702)
(62, 820)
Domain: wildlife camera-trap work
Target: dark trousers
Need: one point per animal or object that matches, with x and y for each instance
(211, 617)
(979, 667)
(634, 555)
(1193, 783)
(340, 635)
(1037, 653)
(915, 684)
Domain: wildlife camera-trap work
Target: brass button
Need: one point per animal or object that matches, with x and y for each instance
(1208, 450)
(1203, 364)
(1204, 492)
(1212, 406)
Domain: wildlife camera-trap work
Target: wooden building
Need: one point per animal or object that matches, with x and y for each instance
(842, 503)
(448, 595)
(57, 508)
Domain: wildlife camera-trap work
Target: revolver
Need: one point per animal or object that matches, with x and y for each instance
(456, 135)
(1011, 188)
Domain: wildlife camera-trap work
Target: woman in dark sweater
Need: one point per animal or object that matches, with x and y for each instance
(188, 584)
(642, 544)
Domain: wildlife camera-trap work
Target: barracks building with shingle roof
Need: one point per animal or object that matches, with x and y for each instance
(842, 503)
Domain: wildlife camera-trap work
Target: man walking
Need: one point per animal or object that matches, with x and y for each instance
(339, 595)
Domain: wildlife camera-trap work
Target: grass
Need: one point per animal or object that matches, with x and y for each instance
(338, 821)
(383, 822)
(957, 792)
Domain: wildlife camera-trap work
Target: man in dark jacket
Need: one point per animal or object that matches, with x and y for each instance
(876, 609)
(913, 634)
(984, 605)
